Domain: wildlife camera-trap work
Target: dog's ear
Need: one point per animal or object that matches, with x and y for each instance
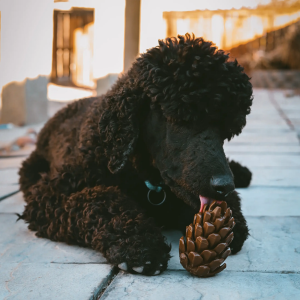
(119, 128)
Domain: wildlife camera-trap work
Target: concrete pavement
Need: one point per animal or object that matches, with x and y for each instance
(268, 266)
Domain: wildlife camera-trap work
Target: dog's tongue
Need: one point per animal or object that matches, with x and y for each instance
(205, 201)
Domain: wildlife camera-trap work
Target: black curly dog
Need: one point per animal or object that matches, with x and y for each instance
(163, 123)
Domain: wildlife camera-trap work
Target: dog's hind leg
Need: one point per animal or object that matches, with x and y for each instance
(101, 218)
(242, 175)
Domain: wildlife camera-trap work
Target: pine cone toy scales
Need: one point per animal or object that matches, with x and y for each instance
(207, 240)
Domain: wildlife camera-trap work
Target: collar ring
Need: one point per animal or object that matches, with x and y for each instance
(156, 204)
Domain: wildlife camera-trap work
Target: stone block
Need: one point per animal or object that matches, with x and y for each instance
(273, 246)
(270, 201)
(13, 162)
(183, 286)
(260, 123)
(293, 113)
(20, 245)
(6, 190)
(266, 138)
(19, 281)
(231, 149)
(13, 204)
(25, 102)
(9, 176)
(275, 176)
(267, 160)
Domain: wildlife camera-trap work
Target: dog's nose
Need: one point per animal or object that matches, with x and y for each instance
(222, 184)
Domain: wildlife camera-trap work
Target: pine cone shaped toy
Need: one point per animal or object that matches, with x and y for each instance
(207, 240)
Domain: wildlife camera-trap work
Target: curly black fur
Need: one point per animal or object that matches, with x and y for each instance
(164, 121)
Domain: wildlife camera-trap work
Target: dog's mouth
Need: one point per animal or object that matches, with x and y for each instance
(190, 197)
(206, 201)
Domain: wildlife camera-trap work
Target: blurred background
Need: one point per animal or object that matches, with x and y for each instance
(56, 51)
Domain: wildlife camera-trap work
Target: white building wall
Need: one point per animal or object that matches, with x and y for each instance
(153, 26)
(26, 39)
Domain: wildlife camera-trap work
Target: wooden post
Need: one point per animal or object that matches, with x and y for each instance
(132, 32)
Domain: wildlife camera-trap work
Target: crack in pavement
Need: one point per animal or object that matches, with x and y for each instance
(11, 278)
(248, 258)
(79, 263)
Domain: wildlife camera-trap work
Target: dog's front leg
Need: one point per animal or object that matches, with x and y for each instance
(240, 229)
(115, 225)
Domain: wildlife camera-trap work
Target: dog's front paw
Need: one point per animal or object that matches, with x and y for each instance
(150, 268)
(241, 233)
(145, 270)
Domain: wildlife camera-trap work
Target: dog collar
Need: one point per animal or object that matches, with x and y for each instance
(156, 189)
(152, 187)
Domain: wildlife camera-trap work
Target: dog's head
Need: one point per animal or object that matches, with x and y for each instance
(182, 99)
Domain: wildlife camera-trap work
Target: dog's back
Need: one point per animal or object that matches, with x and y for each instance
(57, 143)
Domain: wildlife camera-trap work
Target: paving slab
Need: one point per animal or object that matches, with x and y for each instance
(12, 162)
(266, 130)
(9, 176)
(270, 201)
(13, 204)
(261, 100)
(6, 190)
(273, 246)
(264, 107)
(19, 244)
(227, 285)
(264, 112)
(19, 281)
(292, 113)
(265, 124)
(268, 266)
(296, 122)
(286, 102)
(288, 105)
(262, 138)
(268, 160)
(231, 149)
(265, 136)
(272, 115)
(278, 177)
